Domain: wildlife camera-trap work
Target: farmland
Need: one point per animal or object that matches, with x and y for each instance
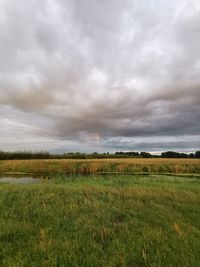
(87, 219)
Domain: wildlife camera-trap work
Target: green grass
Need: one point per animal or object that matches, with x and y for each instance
(101, 221)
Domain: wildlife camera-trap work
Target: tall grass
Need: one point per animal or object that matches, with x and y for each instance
(136, 165)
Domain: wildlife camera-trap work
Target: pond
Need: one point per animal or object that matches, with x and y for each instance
(13, 178)
(19, 180)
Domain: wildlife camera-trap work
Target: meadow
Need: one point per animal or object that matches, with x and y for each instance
(95, 220)
(89, 166)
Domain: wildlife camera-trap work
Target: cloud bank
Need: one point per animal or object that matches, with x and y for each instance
(100, 75)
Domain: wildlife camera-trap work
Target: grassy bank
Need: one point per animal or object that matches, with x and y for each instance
(101, 221)
(136, 165)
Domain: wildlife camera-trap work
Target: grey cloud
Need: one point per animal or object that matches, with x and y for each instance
(104, 69)
(154, 146)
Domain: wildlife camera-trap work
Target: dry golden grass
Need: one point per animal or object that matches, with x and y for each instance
(132, 165)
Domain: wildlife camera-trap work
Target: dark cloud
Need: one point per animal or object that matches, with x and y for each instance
(80, 74)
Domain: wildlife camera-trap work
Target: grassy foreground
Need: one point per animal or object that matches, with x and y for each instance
(133, 165)
(101, 221)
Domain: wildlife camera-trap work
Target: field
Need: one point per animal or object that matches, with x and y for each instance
(134, 165)
(102, 220)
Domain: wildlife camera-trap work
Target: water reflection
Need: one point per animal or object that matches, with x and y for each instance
(21, 180)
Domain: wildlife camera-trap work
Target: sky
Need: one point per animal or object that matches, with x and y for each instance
(99, 75)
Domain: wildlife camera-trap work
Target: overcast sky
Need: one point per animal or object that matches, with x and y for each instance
(99, 75)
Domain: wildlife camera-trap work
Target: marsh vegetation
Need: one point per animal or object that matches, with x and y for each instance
(89, 166)
(112, 220)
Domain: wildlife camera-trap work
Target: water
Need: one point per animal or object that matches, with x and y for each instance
(39, 177)
(20, 180)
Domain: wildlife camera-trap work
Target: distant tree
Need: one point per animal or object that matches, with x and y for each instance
(132, 154)
(145, 155)
(170, 154)
(191, 155)
(197, 154)
(183, 155)
(129, 154)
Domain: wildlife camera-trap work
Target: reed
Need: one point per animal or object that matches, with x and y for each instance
(136, 165)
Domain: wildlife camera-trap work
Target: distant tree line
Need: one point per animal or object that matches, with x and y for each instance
(46, 155)
(172, 154)
(24, 155)
(136, 154)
